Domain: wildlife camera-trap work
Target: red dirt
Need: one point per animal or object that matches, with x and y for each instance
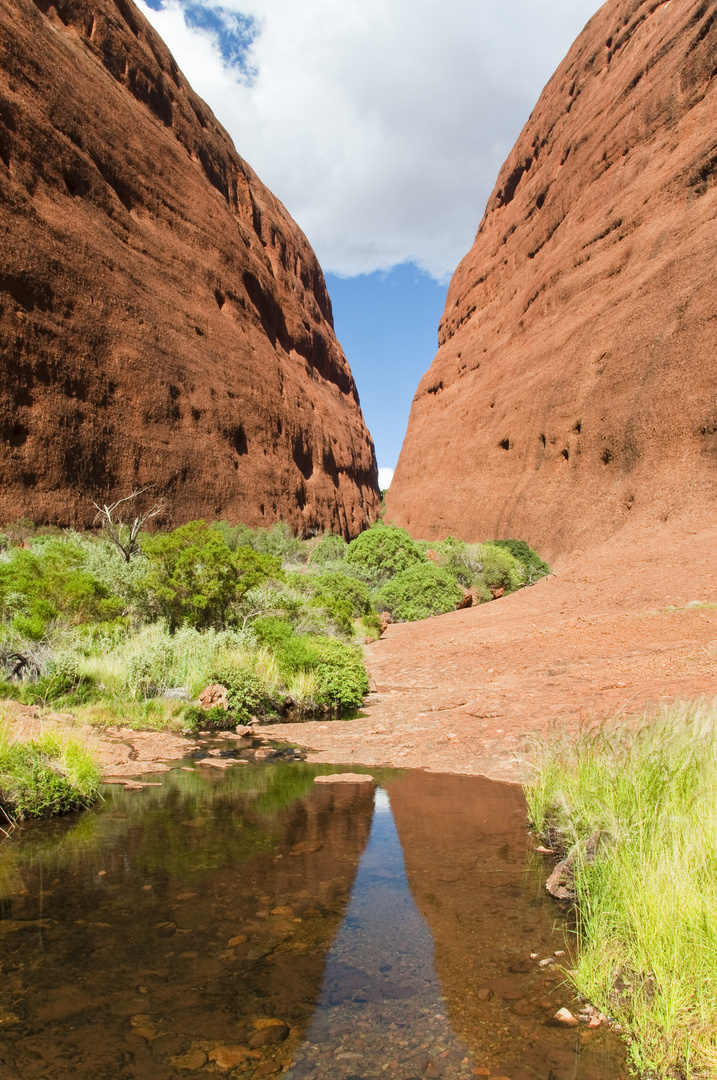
(610, 633)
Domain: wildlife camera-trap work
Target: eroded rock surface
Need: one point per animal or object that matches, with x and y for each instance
(163, 320)
(575, 383)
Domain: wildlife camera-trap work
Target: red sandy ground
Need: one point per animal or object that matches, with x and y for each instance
(615, 631)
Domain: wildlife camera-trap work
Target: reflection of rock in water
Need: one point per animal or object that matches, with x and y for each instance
(131, 968)
(464, 843)
(380, 1004)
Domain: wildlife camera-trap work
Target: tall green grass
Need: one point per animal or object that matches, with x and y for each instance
(647, 903)
(51, 774)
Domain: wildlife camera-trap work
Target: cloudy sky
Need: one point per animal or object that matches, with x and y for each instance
(381, 125)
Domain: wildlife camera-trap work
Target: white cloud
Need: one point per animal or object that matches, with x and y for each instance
(385, 476)
(381, 124)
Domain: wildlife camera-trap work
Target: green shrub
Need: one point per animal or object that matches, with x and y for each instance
(459, 559)
(49, 584)
(246, 693)
(217, 718)
(371, 624)
(330, 548)
(524, 554)
(383, 551)
(341, 678)
(337, 586)
(340, 673)
(47, 776)
(235, 536)
(419, 592)
(273, 631)
(280, 542)
(195, 578)
(499, 568)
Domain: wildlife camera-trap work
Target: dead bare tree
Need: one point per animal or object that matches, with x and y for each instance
(124, 534)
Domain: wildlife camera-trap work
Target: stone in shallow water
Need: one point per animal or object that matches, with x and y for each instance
(192, 1060)
(228, 1057)
(269, 1036)
(306, 847)
(344, 778)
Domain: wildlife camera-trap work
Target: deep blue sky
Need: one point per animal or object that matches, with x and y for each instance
(388, 326)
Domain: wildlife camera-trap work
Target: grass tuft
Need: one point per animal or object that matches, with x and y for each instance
(647, 903)
(52, 774)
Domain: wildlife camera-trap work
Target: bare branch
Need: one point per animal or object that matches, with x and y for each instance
(124, 535)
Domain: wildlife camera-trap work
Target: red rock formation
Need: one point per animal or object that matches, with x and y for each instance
(163, 320)
(575, 386)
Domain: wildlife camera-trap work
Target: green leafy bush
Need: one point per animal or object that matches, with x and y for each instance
(524, 554)
(196, 578)
(499, 568)
(330, 548)
(280, 542)
(246, 693)
(371, 624)
(419, 592)
(384, 551)
(51, 583)
(341, 675)
(215, 719)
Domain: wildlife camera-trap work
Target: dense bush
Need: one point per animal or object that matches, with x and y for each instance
(382, 552)
(196, 578)
(522, 553)
(329, 548)
(340, 673)
(333, 585)
(499, 568)
(278, 540)
(338, 668)
(52, 583)
(419, 592)
(246, 692)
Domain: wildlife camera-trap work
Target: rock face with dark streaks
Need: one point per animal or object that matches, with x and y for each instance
(163, 321)
(575, 385)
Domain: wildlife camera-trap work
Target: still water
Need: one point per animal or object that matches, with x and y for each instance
(250, 923)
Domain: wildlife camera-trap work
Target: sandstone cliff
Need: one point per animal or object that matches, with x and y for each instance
(163, 320)
(575, 385)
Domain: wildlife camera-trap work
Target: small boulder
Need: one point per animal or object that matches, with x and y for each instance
(561, 883)
(214, 697)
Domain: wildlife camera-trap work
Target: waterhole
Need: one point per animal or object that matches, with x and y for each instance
(247, 922)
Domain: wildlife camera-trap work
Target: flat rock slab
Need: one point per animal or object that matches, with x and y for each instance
(345, 778)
